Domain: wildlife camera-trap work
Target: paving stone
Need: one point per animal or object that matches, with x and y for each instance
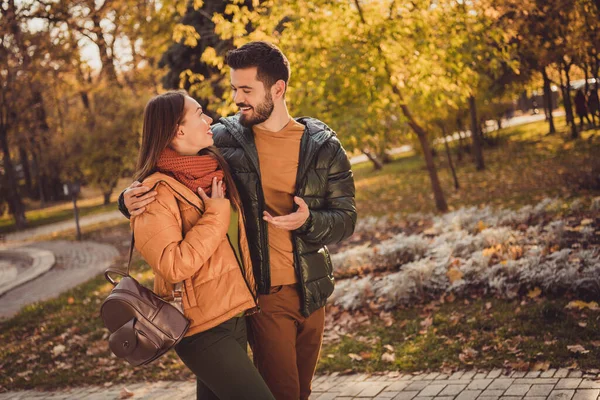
(372, 390)
(589, 384)
(456, 375)
(386, 395)
(540, 390)
(586, 394)
(452, 390)
(468, 375)
(517, 390)
(468, 395)
(488, 398)
(441, 377)
(538, 381)
(495, 373)
(418, 386)
(511, 398)
(501, 383)
(561, 373)
(533, 374)
(432, 376)
(327, 396)
(397, 386)
(480, 375)
(518, 374)
(405, 396)
(568, 383)
(561, 395)
(548, 374)
(492, 393)
(534, 398)
(479, 384)
(444, 398)
(354, 389)
(431, 390)
(575, 374)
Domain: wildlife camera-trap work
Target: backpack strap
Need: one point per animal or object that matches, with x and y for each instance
(112, 270)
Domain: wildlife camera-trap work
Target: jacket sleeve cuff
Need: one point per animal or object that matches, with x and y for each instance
(122, 207)
(305, 228)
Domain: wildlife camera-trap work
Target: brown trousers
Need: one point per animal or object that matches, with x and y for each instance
(286, 344)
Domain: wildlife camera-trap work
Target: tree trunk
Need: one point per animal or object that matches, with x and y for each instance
(548, 100)
(376, 163)
(450, 163)
(24, 160)
(15, 205)
(475, 136)
(107, 197)
(568, 102)
(438, 193)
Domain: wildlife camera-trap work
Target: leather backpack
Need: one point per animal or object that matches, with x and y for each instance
(143, 326)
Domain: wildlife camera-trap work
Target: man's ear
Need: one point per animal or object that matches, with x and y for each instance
(278, 89)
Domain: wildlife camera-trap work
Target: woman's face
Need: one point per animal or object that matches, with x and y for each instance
(193, 133)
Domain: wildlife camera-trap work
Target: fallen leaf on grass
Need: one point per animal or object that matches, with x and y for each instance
(577, 348)
(582, 324)
(354, 357)
(58, 350)
(534, 293)
(580, 305)
(454, 274)
(427, 322)
(541, 366)
(389, 348)
(125, 393)
(388, 357)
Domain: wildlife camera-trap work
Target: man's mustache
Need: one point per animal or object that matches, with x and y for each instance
(243, 105)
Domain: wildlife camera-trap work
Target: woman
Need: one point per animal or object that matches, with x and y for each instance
(193, 235)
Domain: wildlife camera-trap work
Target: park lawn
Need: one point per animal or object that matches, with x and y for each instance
(62, 342)
(522, 169)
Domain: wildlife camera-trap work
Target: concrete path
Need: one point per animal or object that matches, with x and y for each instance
(553, 384)
(76, 262)
(29, 235)
(21, 265)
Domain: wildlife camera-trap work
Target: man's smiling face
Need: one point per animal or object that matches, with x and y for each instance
(249, 94)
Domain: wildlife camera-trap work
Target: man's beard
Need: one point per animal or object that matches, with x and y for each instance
(260, 114)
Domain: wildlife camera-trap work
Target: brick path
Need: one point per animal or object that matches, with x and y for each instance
(553, 384)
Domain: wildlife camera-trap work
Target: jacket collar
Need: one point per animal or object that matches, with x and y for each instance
(316, 133)
(178, 189)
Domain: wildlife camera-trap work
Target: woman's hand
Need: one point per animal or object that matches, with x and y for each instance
(216, 191)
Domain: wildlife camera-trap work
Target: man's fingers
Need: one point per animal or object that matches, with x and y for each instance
(135, 184)
(143, 202)
(137, 211)
(301, 203)
(137, 191)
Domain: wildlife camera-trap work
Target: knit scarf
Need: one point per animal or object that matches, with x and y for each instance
(192, 171)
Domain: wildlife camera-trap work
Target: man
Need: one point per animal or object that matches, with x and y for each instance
(297, 192)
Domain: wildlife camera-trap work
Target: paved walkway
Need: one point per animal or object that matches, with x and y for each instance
(29, 235)
(553, 384)
(76, 262)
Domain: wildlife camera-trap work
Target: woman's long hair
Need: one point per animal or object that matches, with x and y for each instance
(161, 116)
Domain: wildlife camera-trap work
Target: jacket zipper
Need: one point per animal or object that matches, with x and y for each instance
(241, 265)
(200, 211)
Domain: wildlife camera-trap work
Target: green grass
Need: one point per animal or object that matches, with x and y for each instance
(523, 168)
(505, 334)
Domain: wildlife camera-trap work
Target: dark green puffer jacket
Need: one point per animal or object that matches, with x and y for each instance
(326, 184)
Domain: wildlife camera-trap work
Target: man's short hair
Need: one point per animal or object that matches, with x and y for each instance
(269, 61)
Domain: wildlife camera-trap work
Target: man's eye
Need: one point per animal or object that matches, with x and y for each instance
(247, 91)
